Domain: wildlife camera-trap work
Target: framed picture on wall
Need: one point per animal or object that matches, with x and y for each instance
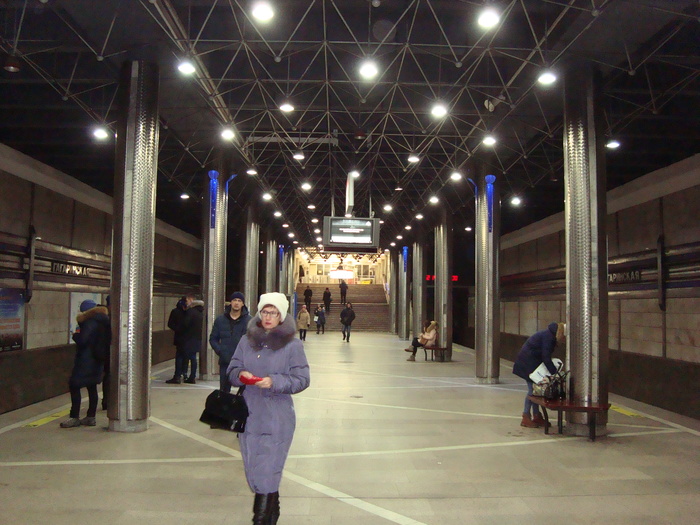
(11, 319)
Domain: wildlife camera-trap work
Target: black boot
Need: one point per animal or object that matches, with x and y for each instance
(274, 507)
(261, 509)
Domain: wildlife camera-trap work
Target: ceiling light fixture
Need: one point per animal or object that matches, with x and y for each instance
(456, 175)
(439, 110)
(387, 207)
(316, 230)
(290, 235)
(419, 216)
(184, 196)
(399, 237)
(407, 227)
(398, 188)
(468, 229)
(252, 171)
(613, 144)
(285, 225)
(319, 239)
(392, 244)
(354, 174)
(266, 197)
(263, 12)
(413, 158)
(314, 220)
(489, 140)
(286, 106)
(547, 77)
(368, 69)
(12, 64)
(489, 18)
(311, 206)
(516, 201)
(186, 67)
(227, 134)
(433, 200)
(306, 186)
(278, 214)
(100, 133)
(298, 155)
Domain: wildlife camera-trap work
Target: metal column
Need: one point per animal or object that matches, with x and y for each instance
(271, 264)
(252, 258)
(586, 248)
(418, 289)
(443, 282)
(131, 291)
(214, 262)
(393, 295)
(282, 269)
(487, 306)
(402, 314)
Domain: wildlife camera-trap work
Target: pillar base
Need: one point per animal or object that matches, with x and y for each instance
(583, 430)
(487, 380)
(129, 425)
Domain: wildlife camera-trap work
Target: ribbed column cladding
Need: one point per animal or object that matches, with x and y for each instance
(393, 295)
(586, 248)
(487, 306)
(271, 265)
(402, 314)
(418, 289)
(252, 257)
(443, 282)
(132, 248)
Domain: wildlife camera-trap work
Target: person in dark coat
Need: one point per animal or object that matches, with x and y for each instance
(327, 300)
(536, 350)
(269, 351)
(343, 291)
(308, 294)
(92, 340)
(320, 316)
(176, 322)
(347, 316)
(227, 331)
(192, 335)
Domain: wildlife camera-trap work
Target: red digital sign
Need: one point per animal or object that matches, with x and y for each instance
(455, 278)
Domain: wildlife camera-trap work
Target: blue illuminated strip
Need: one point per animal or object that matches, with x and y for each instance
(490, 179)
(213, 186)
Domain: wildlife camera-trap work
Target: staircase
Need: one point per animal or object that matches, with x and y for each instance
(368, 301)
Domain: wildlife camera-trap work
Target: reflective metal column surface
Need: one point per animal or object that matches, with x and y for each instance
(393, 295)
(487, 307)
(271, 264)
(402, 313)
(418, 289)
(282, 269)
(252, 257)
(443, 282)
(132, 248)
(215, 216)
(586, 247)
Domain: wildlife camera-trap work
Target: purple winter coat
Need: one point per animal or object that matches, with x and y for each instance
(271, 420)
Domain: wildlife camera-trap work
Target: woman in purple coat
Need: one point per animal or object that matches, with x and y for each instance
(272, 361)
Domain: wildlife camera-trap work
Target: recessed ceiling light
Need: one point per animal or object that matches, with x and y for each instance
(516, 201)
(285, 225)
(419, 216)
(438, 110)
(407, 227)
(311, 206)
(266, 197)
(488, 18)
(298, 155)
(263, 12)
(399, 237)
(184, 196)
(290, 235)
(456, 175)
(488, 140)
(319, 239)
(278, 214)
(100, 133)
(392, 244)
(381, 221)
(546, 78)
(387, 207)
(252, 171)
(227, 134)
(612, 144)
(468, 229)
(295, 242)
(354, 174)
(413, 158)
(368, 69)
(317, 230)
(186, 67)
(306, 186)
(314, 220)
(433, 200)
(398, 188)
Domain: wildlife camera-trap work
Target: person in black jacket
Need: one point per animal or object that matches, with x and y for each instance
(192, 334)
(327, 300)
(176, 322)
(343, 291)
(308, 293)
(536, 350)
(92, 339)
(347, 316)
(227, 331)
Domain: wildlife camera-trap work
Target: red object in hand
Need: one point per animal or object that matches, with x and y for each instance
(250, 380)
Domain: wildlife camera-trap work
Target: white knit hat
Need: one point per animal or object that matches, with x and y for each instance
(276, 299)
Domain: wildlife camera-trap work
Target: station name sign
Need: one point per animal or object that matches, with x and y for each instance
(70, 269)
(634, 276)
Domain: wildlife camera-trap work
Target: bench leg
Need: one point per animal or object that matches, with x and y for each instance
(591, 426)
(560, 421)
(546, 420)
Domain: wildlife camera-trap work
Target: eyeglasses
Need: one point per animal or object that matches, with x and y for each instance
(268, 313)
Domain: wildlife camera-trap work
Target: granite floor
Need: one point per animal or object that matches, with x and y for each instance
(379, 440)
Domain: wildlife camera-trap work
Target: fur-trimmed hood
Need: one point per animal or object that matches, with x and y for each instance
(92, 312)
(276, 338)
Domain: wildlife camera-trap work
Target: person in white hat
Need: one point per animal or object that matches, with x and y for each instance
(273, 359)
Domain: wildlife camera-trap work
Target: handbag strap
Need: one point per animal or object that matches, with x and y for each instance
(240, 390)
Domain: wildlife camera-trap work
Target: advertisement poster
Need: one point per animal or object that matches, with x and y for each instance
(75, 299)
(11, 319)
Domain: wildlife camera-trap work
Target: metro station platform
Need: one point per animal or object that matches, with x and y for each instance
(379, 440)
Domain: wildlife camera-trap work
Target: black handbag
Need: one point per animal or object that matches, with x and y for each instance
(225, 411)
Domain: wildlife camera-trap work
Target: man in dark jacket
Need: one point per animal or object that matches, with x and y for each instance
(343, 291)
(192, 334)
(308, 293)
(227, 331)
(537, 349)
(92, 339)
(327, 300)
(176, 322)
(347, 316)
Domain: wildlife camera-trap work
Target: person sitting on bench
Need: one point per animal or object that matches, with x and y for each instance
(537, 349)
(427, 338)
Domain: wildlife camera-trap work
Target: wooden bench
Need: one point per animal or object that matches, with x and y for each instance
(563, 405)
(437, 353)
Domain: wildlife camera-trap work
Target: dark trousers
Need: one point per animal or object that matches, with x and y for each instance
(75, 401)
(307, 302)
(302, 334)
(321, 328)
(346, 331)
(224, 383)
(342, 298)
(416, 345)
(328, 306)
